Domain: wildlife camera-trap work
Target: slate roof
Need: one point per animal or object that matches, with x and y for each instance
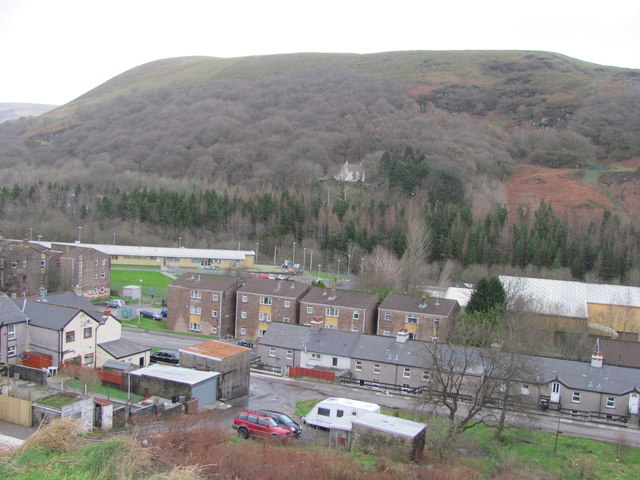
(340, 298)
(201, 281)
(74, 300)
(441, 307)
(621, 353)
(121, 348)
(274, 288)
(10, 313)
(214, 349)
(48, 316)
(577, 375)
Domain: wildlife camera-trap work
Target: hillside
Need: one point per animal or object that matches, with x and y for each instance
(488, 129)
(11, 111)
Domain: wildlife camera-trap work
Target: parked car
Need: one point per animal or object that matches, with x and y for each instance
(164, 312)
(165, 356)
(245, 343)
(258, 424)
(284, 420)
(150, 314)
(115, 303)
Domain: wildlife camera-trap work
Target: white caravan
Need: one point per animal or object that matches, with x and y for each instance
(337, 413)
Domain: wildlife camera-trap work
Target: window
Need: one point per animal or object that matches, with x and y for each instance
(103, 275)
(576, 397)
(11, 351)
(334, 361)
(264, 317)
(70, 336)
(332, 312)
(411, 319)
(88, 359)
(214, 330)
(376, 368)
(406, 373)
(88, 332)
(287, 304)
(11, 332)
(96, 263)
(243, 331)
(214, 297)
(95, 276)
(243, 314)
(214, 313)
(43, 263)
(611, 402)
(80, 265)
(358, 367)
(266, 301)
(193, 310)
(80, 279)
(197, 294)
(309, 309)
(289, 354)
(331, 327)
(272, 351)
(426, 376)
(24, 264)
(524, 390)
(194, 326)
(316, 356)
(340, 413)
(387, 316)
(14, 264)
(324, 412)
(386, 333)
(104, 262)
(285, 319)
(244, 299)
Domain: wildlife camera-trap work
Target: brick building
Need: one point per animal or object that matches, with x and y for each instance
(87, 270)
(340, 309)
(203, 304)
(260, 302)
(424, 318)
(23, 268)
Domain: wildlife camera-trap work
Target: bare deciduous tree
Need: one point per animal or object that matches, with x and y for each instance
(414, 259)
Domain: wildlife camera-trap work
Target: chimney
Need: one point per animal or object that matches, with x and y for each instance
(597, 357)
(316, 324)
(423, 300)
(402, 336)
(107, 311)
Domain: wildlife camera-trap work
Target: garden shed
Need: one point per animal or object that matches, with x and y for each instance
(66, 405)
(386, 435)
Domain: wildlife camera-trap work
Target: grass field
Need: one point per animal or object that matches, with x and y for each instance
(104, 390)
(153, 282)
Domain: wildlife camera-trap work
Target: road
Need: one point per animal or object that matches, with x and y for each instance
(282, 394)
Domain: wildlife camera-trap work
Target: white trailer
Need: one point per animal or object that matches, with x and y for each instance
(337, 413)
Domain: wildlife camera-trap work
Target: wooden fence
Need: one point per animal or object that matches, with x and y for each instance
(295, 372)
(15, 410)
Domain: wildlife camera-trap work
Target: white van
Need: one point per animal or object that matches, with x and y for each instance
(338, 413)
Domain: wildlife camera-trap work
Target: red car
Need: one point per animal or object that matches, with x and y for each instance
(259, 425)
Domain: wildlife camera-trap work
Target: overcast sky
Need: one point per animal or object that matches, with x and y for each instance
(52, 51)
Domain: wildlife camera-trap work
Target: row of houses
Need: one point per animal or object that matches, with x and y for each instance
(580, 389)
(224, 307)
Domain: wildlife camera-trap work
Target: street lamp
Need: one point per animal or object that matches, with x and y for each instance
(79, 234)
(114, 238)
(349, 265)
(361, 265)
(139, 302)
(304, 258)
(338, 275)
(179, 242)
(319, 270)
(255, 260)
(293, 261)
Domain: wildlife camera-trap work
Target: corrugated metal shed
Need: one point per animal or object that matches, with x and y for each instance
(175, 374)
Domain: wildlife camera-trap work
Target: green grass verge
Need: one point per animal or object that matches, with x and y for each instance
(104, 390)
(136, 267)
(153, 282)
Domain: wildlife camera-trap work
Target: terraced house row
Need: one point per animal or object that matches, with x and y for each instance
(222, 306)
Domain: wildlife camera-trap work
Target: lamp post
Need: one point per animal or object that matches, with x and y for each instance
(275, 254)
(311, 260)
(338, 275)
(304, 258)
(114, 238)
(361, 265)
(179, 242)
(319, 270)
(79, 234)
(349, 265)
(255, 260)
(139, 302)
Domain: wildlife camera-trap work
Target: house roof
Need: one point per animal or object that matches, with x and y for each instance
(121, 348)
(188, 376)
(578, 375)
(10, 313)
(201, 281)
(340, 298)
(74, 300)
(460, 294)
(274, 288)
(215, 350)
(163, 252)
(568, 299)
(48, 316)
(441, 307)
(389, 424)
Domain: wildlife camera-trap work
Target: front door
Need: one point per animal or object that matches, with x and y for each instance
(555, 393)
(633, 403)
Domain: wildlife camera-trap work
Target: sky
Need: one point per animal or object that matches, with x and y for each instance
(53, 51)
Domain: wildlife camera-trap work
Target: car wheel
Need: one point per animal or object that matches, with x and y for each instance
(243, 433)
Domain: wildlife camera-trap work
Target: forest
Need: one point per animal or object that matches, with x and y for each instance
(246, 156)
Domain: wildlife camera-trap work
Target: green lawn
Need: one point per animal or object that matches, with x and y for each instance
(105, 391)
(153, 282)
